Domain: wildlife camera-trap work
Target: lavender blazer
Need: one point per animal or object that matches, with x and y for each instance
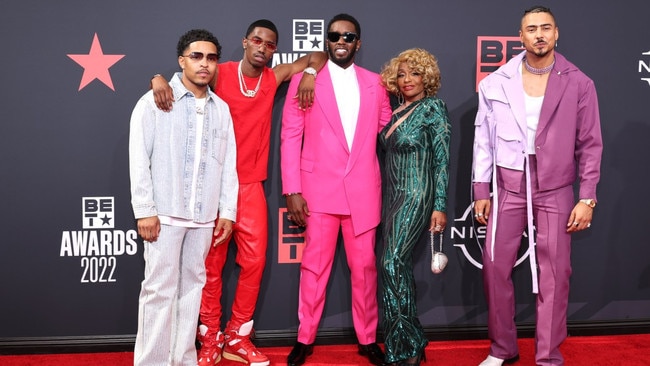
(316, 161)
(568, 139)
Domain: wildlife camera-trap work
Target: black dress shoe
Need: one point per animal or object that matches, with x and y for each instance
(373, 352)
(299, 354)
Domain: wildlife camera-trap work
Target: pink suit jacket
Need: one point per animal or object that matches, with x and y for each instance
(316, 161)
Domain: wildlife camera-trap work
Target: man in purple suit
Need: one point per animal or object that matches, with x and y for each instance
(537, 130)
(332, 181)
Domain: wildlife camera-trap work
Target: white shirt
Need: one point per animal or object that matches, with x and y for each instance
(533, 110)
(348, 97)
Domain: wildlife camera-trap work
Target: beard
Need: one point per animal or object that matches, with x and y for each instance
(200, 82)
(343, 62)
(542, 52)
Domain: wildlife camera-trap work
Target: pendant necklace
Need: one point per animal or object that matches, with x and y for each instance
(200, 105)
(242, 83)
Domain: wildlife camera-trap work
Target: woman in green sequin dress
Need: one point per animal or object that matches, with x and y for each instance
(416, 146)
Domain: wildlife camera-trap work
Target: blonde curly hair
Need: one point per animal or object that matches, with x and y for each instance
(418, 60)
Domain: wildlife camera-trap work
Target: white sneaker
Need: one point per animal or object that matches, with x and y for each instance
(491, 361)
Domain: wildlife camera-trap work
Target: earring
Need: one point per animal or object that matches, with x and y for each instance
(400, 98)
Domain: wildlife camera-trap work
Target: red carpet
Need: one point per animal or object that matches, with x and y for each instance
(624, 350)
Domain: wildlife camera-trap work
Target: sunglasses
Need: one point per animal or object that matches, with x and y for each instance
(198, 56)
(271, 46)
(348, 37)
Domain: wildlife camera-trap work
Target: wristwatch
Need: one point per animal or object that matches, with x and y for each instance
(589, 202)
(310, 71)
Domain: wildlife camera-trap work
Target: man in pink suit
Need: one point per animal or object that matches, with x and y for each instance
(332, 182)
(537, 130)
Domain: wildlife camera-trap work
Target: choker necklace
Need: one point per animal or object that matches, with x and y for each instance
(242, 84)
(536, 71)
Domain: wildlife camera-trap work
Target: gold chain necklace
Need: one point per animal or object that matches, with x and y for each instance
(242, 83)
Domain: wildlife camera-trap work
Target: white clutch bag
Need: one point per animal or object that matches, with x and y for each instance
(438, 258)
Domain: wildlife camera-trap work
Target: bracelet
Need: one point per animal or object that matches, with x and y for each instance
(153, 77)
(291, 194)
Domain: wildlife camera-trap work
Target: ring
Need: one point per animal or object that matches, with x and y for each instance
(476, 215)
(575, 223)
(589, 224)
(479, 215)
(438, 227)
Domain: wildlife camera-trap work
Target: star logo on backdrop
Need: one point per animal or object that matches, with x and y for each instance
(96, 64)
(315, 43)
(106, 220)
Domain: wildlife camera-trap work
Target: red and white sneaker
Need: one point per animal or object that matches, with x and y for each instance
(239, 347)
(211, 346)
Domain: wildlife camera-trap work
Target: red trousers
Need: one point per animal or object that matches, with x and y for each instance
(250, 233)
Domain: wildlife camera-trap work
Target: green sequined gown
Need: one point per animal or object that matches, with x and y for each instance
(415, 184)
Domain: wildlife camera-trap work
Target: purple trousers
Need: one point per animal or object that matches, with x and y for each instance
(551, 210)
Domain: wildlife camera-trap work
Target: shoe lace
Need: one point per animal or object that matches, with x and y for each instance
(209, 343)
